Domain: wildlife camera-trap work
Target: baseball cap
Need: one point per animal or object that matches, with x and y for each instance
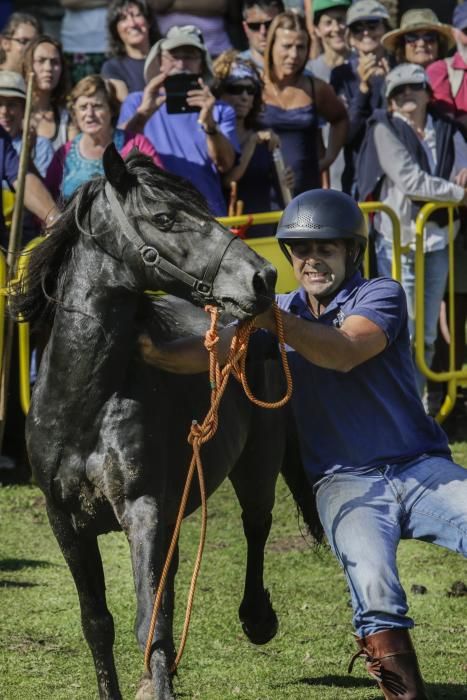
(187, 35)
(12, 84)
(405, 74)
(323, 5)
(366, 9)
(459, 17)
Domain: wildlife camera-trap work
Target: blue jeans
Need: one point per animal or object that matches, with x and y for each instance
(365, 515)
(436, 274)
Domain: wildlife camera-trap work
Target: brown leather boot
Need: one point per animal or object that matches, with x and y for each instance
(390, 658)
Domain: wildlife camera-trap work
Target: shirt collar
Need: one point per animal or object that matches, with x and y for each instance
(299, 303)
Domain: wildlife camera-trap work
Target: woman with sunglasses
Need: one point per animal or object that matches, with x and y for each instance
(16, 35)
(420, 39)
(238, 83)
(296, 104)
(412, 155)
(49, 118)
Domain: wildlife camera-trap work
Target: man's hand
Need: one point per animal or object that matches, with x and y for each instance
(266, 320)
(152, 99)
(205, 100)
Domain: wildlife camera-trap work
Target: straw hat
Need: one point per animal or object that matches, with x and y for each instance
(418, 20)
(12, 84)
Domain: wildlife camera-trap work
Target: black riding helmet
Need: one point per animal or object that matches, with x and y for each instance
(324, 214)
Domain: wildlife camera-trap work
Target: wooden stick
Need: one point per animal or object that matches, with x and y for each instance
(233, 198)
(14, 246)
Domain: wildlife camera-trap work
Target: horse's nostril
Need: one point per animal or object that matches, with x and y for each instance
(264, 281)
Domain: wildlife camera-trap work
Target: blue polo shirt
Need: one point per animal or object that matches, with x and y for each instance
(181, 145)
(371, 415)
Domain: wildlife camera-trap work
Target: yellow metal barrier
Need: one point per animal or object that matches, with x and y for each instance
(452, 376)
(3, 277)
(266, 247)
(372, 208)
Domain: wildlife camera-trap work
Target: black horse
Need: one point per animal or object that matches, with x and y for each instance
(106, 433)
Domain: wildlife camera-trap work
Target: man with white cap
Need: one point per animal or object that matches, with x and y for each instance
(359, 81)
(12, 104)
(36, 197)
(412, 155)
(195, 145)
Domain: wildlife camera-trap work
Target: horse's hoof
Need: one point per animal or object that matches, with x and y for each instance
(145, 689)
(259, 623)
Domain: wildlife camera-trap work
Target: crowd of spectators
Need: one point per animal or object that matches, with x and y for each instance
(368, 96)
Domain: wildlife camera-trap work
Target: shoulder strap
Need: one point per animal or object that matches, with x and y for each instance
(455, 76)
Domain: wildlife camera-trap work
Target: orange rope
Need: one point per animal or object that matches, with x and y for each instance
(201, 433)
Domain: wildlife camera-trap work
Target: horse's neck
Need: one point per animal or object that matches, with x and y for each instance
(93, 332)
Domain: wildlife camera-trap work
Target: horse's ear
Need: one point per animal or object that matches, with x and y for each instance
(115, 170)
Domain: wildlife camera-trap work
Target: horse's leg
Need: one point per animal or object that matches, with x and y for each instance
(148, 545)
(254, 480)
(83, 558)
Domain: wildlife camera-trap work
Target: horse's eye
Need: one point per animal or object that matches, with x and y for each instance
(164, 220)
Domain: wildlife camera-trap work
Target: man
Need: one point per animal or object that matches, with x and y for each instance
(359, 81)
(12, 103)
(257, 17)
(448, 77)
(381, 468)
(195, 145)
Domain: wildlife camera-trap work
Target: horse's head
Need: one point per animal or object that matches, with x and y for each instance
(171, 242)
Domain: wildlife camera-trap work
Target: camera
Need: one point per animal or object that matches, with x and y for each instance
(176, 88)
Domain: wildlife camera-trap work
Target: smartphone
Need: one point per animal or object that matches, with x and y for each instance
(176, 87)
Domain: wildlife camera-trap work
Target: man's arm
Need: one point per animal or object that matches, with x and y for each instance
(38, 199)
(340, 349)
(187, 355)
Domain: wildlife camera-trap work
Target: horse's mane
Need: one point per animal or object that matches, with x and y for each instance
(37, 297)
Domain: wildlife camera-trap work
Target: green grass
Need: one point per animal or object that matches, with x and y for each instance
(43, 654)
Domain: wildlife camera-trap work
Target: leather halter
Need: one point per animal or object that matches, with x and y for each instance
(151, 257)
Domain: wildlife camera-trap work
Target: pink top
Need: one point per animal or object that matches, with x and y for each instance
(442, 94)
(54, 176)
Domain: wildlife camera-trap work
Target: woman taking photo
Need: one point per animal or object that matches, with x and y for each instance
(49, 118)
(238, 83)
(131, 34)
(95, 110)
(297, 103)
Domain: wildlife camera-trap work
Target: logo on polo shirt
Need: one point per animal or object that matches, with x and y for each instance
(339, 320)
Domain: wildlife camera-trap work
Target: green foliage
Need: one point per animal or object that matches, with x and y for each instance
(43, 654)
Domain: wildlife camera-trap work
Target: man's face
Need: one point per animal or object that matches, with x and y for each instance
(183, 59)
(319, 265)
(11, 114)
(256, 24)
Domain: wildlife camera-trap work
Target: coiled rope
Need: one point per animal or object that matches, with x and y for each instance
(201, 433)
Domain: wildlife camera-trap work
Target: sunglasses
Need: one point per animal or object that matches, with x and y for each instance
(400, 89)
(370, 25)
(427, 37)
(240, 89)
(256, 26)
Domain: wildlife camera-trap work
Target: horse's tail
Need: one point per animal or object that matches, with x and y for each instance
(300, 487)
